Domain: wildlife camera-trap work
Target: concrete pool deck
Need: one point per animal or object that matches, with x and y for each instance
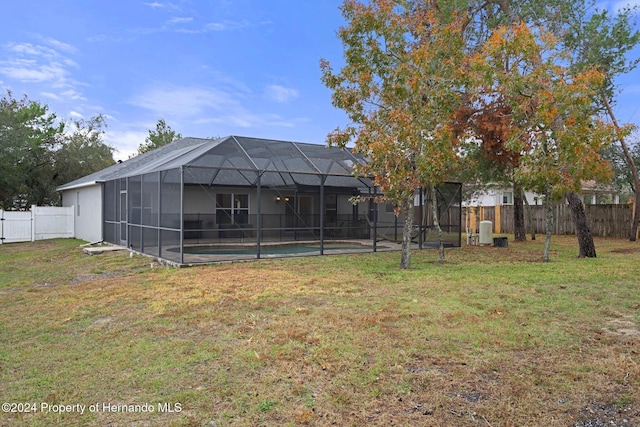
(203, 259)
(367, 247)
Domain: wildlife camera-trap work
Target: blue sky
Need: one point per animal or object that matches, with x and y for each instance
(209, 68)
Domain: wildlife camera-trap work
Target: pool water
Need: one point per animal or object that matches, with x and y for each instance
(283, 249)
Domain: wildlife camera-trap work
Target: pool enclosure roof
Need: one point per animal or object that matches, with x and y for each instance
(241, 161)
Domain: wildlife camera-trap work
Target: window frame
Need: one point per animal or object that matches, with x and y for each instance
(236, 214)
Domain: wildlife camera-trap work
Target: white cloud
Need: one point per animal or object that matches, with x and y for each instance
(165, 5)
(178, 20)
(73, 95)
(228, 105)
(280, 93)
(27, 49)
(37, 63)
(126, 141)
(69, 62)
(50, 95)
(226, 25)
(632, 3)
(245, 119)
(183, 101)
(214, 26)
(618, 5)
(76, 115)
(58, 45)
(240, 119)
(30, 71)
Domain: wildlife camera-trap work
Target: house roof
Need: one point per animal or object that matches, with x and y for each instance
(591, 186)
(237, 160)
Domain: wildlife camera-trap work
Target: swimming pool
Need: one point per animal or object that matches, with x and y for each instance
(272, 249)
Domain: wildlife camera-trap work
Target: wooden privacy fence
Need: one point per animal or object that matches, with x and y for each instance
(41, 222)
(604, 220)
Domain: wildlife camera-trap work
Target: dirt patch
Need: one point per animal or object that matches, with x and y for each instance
(103, 321)
(625, 250)
(89, 277)
(597, 415)
(83, 278)
(623, 328)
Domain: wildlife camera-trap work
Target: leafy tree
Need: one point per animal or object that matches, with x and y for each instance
(488, 120)
(162, 135)
(623, 179)
(83, 151)
(588, 37)
(399, 89)
(630, 160)
(603, 42)
(583, 38)
(528, 89)
(29, 134)
(552, 112)
(36, 155)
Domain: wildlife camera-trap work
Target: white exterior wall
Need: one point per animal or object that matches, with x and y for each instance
(385, 214)
(88, 211)
(199, 200)
(493, 197)
(203, 200)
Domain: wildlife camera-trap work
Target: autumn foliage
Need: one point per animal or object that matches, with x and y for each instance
(490, 123)
(419, 86)
(398, 87)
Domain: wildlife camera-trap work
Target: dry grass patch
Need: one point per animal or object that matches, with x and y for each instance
(492, 337)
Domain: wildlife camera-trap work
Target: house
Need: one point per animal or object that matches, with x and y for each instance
(494, 198)
(200, 200)
(592, 193)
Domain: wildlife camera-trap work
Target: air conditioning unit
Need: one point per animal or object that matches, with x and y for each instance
(486, 233)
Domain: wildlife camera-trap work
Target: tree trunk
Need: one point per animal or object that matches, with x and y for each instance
(633, 233)
(583, 231)
(532, 227)
(436, 224)
(519, 230)
(549, 226)
(407, 208)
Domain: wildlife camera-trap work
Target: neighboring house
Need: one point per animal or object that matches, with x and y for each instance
(247, 191)
(599, 194)
(592, 193)
(499, 196)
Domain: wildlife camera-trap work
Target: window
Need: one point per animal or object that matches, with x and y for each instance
(232, 208)
(507, 198)
(78, 203)
(331, 208)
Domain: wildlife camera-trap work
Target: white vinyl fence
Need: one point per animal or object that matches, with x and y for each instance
(42, 222)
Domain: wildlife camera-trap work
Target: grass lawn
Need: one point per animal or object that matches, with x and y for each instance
(493, 337)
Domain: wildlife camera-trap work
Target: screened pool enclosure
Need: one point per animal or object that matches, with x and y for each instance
(204, 200)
